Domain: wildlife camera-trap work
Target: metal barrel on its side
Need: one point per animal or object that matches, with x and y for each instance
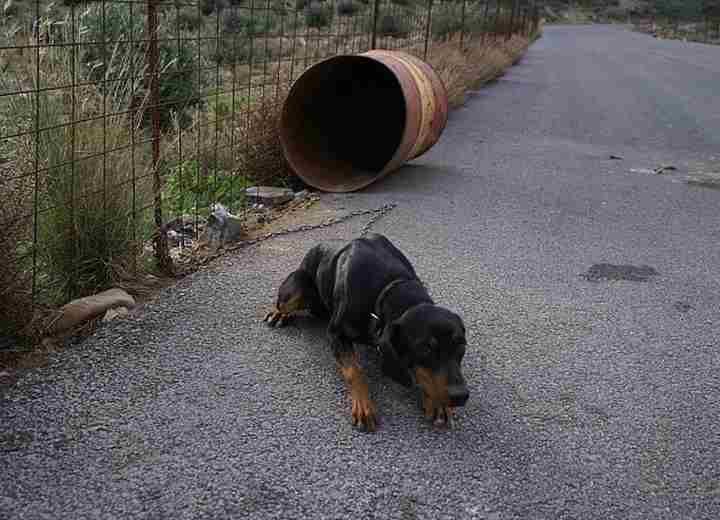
(352, 119)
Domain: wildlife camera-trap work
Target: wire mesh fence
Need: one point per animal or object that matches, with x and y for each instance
(122, 122)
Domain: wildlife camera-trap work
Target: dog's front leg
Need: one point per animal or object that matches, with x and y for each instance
(363, 409)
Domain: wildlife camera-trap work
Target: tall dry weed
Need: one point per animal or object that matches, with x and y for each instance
(78, 186)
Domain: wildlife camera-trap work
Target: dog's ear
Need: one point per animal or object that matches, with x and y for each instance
(393, 353)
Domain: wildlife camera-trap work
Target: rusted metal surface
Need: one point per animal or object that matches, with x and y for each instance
(380, 109)
(162, 255)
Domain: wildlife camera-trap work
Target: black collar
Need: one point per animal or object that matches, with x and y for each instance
(377, 324)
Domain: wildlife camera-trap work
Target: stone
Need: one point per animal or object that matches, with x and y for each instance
(118, 312)
(302, 195)
(269, 195)
(84, 309)
(223, 226)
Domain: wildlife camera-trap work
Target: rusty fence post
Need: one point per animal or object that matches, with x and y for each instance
(511, 25)
(375, 15)
(484, 21)
(462, 22)
(162, 254)
(496, 23)
(428, 22)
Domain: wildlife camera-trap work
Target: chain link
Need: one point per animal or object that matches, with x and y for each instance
(376, 213)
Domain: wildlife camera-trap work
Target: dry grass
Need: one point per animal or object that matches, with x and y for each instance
(73, 212)
(478, 63)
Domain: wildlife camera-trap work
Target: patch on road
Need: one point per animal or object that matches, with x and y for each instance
(682, 306)
(630, 273)
(704, 180)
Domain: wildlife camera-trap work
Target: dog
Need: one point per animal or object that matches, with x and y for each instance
(372, 295)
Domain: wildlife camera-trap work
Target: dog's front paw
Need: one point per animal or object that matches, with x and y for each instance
(363, 414)
(277, 318)
(440, 415)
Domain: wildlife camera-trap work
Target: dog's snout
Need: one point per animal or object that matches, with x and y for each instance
(458, 395)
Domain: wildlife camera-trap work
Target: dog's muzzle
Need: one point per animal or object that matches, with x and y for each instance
(458, 395)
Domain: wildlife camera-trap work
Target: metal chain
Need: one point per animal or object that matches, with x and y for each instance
(376, 213)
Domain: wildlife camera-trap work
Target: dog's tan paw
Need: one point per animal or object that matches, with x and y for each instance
(276, 318)
(363, 414)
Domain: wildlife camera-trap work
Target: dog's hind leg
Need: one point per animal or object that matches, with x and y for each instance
(363, 409)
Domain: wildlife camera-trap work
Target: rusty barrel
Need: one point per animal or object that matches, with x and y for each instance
(352, 119)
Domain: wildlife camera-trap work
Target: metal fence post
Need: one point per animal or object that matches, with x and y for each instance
(161, 245)
(373, 37)
(496, 25)
(462, 21)
(484, 21)
(427, 29)
(511, 25)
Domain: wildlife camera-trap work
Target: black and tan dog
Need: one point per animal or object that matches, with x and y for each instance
(371, 293)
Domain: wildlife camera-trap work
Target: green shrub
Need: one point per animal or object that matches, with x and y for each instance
(235, 21)
(393, 25)
(280, 7)
(446, 21)
(189, 20)
(232, 51)
(179, 87)
(208, 7)
(91, 219)
(318, 15)
(188, 188)
(260, 23)
(9, 8)
(347, 7)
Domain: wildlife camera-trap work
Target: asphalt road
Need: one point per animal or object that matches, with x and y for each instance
(589, 398)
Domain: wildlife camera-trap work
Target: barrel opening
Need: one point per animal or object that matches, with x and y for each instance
(343, 121)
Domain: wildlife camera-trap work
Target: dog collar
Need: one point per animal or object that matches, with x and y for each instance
(384, 293)
(377, 324)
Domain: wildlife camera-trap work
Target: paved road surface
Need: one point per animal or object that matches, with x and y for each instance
(590, 399)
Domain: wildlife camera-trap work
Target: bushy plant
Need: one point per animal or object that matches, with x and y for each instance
(208, 7)
(318, 15)
(446, 21)
(232, 51)
(679, 9)
(393, 25)
(9, 8)
(347, 7)
(236, 21)
(91, 219)
(260, 23)
(125, 54)
(280, 7)
(616, 13)
(190, 188)
(189, 20)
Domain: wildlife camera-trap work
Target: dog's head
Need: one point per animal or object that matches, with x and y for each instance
(427, 344)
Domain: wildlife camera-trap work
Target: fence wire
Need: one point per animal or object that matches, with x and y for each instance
(123, 121)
